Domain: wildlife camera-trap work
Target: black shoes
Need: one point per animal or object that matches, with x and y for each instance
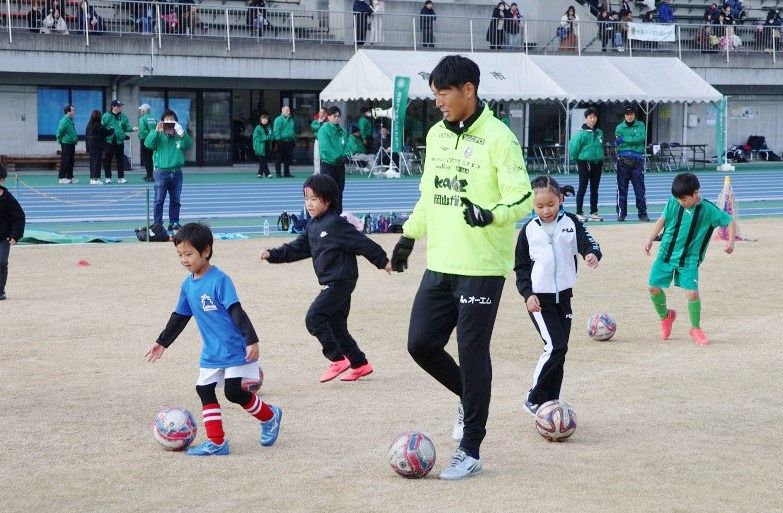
(644, 218)
(621, 219)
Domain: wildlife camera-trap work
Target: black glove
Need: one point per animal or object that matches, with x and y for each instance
(402, 251)
(475, 215)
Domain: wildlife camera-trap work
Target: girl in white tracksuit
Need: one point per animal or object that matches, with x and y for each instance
(546, 266)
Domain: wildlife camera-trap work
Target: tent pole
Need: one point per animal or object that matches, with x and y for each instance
(567, 157)
(526, 133)
(684, 131)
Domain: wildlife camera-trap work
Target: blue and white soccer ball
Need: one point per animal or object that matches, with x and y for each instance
(174, 428)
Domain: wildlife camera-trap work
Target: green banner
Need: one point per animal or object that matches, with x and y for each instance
(400, 105)
(720, 129)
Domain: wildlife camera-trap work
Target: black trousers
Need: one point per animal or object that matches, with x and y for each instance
(634, 175)
(469, 303)
(116, 152)
(336, 171)
(5, 248)
(95, 164)
(232, 388)
(67, 155)
(146, 159)
(588, 172)
(553, 323)
(263, 165)
(327, 320)
(285, 153)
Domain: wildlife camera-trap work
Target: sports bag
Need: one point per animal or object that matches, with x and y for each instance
(156, 233)
(283, 222)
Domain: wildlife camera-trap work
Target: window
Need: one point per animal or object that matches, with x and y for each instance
(50, 108)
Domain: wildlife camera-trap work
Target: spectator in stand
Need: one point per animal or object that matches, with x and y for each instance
(567, 30)
(284, 133)
(497, 27)
(147, 123)
(771, 29)
(190, 19)
(606, 28)
(727, 38)
(665, 12)
(67, 137)
(623, 30)
(514, 27)
(262, 138)
(91, 19)
(376, 21)
(712, 13)
(649, 17)
(35, 17)
(361, 14)
(625, 9)
(318, 121)
(115, 143)
(96, 135)
(649, 4)
(54, 23)
(705, 39)
(256, 17)
(427, 24)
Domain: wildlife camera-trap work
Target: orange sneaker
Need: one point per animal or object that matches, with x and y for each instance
(335, 369)
(666, 324)
(358, 372)
(699, 337)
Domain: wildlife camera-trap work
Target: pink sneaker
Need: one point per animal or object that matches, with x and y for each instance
(666, 324)
(335, 369)
(699, 337)
(358, 372)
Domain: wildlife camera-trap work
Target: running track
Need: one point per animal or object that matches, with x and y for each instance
(760, 193)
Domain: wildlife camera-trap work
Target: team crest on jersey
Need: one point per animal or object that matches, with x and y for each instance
(207, 304)
(468, 152)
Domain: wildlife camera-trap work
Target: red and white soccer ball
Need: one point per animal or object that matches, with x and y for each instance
(555, 420)
(412, 455)
(174, 428)
(253, 385)
(601, 326)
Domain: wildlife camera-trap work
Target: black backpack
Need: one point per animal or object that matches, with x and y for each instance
(283, 222)
(156, 233)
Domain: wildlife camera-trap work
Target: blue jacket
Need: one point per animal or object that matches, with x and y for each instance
(665, 13)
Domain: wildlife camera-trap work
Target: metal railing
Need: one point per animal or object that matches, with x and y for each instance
(164, 20)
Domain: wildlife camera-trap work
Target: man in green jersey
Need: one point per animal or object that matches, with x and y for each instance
(687, 222)
(474, 189)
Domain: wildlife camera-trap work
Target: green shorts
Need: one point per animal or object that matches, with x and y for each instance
(661, 275)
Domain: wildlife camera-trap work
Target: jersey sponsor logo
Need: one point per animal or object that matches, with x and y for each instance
(454, 184)
(475, 300)
(463, 170)
(457, 161)
(568, 230)
(468, 152)
(207, 304)
(323, 234)
(447, 201)
(447, 135)
(473, 139)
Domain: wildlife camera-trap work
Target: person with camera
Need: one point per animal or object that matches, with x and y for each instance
(630, 138)
(168, 142)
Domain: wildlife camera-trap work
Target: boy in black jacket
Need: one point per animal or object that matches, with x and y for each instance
(333, 243)
(11, 227)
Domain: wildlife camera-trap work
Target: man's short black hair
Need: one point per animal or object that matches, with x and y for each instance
(454, 71)
(3, 172)
(685, 184)
(197, 235)
(169, 113)
(67, 108)
(324, 187)
(591, 110)
(334, 109)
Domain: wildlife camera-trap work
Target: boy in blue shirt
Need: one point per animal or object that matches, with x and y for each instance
(230, 350)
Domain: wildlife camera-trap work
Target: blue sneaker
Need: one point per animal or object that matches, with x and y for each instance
(209, 448)
(271, 428)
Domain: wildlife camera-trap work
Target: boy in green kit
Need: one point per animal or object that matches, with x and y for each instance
(687, 222)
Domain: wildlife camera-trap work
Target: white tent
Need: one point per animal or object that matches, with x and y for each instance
(369, 75)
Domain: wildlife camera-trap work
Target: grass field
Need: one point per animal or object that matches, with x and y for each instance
(663, 426)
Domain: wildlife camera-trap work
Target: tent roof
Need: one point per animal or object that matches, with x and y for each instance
(369, 75)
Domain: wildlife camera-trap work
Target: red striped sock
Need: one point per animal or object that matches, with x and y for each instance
(259, 409)
(213, 423)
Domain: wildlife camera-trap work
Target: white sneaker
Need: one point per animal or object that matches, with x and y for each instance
(596, 217)
(581, 218)
(108, 180)
(461, 466)
(95, 181)
(62, 180)
(74, 180)
(122, 180)
(459, 424)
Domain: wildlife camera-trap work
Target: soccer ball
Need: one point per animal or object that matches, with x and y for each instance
(412, 455)
(253, 385)
(174, 428)
(555, 420)
(601, 326)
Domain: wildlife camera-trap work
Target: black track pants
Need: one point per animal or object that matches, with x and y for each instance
(553, 323)
(469, 303)
(327, 320)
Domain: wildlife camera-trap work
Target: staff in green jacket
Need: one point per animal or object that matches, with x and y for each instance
(365, 126)
(67, 137)
(284, 132)
(147, 124)
(631, 138)
(169, 142)
(117, 121)
(587, 149)
(262, 138)
(331, 144)
(473, 191)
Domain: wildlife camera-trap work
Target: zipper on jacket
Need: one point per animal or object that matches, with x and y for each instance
(457, 143)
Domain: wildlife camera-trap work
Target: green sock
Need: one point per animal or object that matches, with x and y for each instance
(694, 311)
(659, 302)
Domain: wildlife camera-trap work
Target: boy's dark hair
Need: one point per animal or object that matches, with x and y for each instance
(67, 108)
(547, 182)
(169, 113)
(197, 235)
(454, 71)
(685, 184)
(324, 187)
(354, 129)
(334, 109)
(3, 172)
(591, 110)
(366, 108)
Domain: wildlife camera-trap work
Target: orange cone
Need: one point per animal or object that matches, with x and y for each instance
(83, 263)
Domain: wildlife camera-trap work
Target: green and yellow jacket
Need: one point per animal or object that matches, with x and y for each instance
(482, 162)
